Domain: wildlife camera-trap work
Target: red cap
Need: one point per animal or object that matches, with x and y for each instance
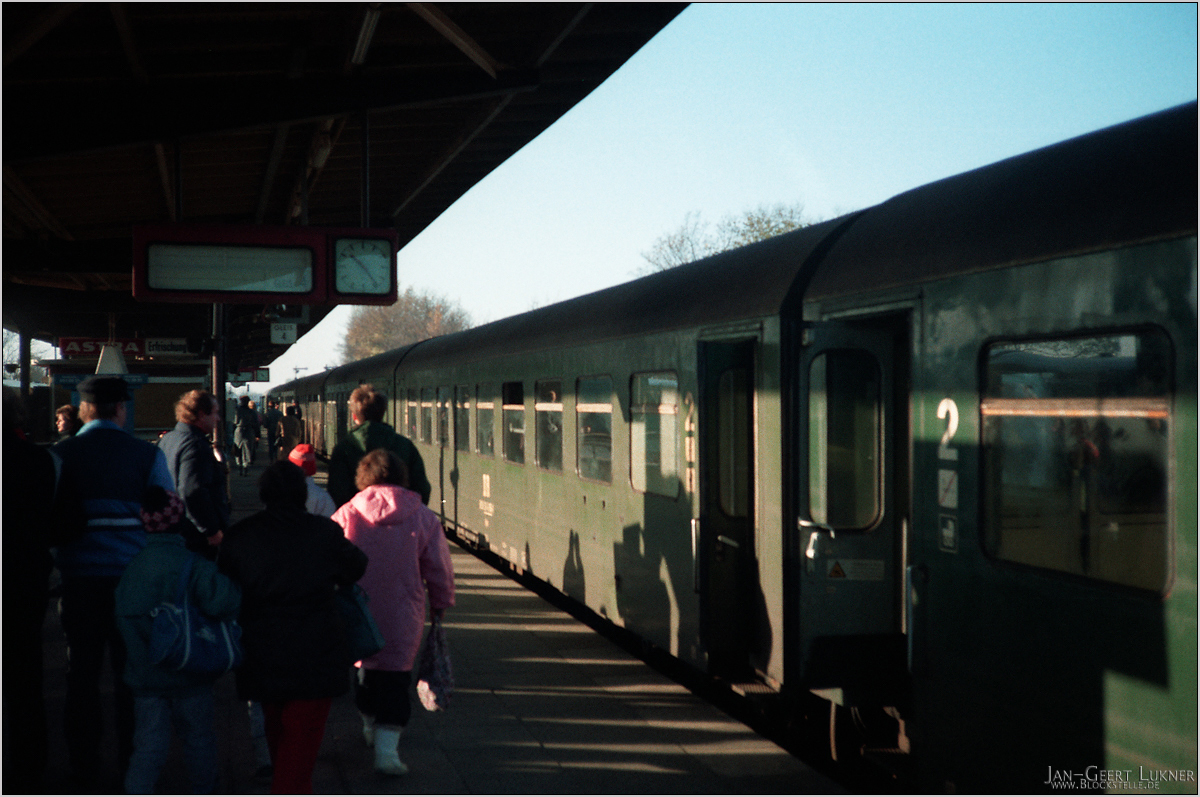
(304, 456)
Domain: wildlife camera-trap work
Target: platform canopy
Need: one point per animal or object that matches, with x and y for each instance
(120, 114)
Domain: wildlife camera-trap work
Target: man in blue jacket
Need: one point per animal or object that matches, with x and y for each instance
(105, 471)
(199, 477)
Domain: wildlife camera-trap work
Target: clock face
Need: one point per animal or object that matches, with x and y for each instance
(363, 265)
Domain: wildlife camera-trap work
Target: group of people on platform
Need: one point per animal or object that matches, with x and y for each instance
(283, 431)
(127, 517)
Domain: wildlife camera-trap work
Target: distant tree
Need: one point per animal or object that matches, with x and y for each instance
(696, 239)
(12, 355)
(374, 329)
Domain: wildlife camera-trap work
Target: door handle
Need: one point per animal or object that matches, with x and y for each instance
(811, 551)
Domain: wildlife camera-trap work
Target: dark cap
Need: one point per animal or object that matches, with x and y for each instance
(103, 390)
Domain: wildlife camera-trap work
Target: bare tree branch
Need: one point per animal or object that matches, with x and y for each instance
(374, 329)
(693, 240)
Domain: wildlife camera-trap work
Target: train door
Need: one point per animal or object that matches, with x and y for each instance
(852, 472)
(726, 541)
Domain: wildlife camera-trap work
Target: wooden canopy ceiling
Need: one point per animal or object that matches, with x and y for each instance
(253, 113)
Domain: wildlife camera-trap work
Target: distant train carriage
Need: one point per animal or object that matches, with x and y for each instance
(934, 461)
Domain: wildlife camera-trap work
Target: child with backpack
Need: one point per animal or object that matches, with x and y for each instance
(166, 697)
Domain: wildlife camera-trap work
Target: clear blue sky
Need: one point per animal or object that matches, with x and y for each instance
(731, 106)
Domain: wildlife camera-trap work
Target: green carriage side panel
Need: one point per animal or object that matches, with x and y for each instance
(1023, 671)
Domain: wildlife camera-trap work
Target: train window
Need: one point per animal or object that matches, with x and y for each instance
(513, 396)
(593, 427)
(344, 420)
(443, 416)
(414, 404)
(485, 414)
(547, 414)
(462, 418)
(427, 396)
(1076, 455)
(653, 433)
(733, 404)
(844, 433)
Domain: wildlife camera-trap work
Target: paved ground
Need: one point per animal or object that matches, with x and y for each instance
(543, 705)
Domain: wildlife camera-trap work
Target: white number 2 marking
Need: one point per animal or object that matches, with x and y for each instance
(948, 410)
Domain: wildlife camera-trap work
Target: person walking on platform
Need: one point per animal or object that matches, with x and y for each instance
(245, 434)
(105, 471)
(407, 555)
(319, 502)
(291, 429)
(289, 564)
(272, 419)
(166, 697)
(28, 493)
(367, 408)
(199, 477)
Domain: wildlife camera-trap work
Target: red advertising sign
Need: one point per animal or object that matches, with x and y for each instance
(90, 347)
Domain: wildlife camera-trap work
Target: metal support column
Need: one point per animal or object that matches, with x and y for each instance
(25, 344)
(218, 373)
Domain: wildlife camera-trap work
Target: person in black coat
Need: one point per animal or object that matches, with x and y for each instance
(199, 477)
(246, 432)
(289, 565)
(28, 494)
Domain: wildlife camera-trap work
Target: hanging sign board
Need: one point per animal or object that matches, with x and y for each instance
(264, 264)
(283, 332)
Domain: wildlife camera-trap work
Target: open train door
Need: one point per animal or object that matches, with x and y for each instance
(848, 640)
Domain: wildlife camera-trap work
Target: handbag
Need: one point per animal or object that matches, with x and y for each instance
(435, 680)
(362, 632)
(184, 638)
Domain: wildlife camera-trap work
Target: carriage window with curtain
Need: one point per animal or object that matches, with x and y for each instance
(1076, 455)
(427, 394)
(513, 394)
(653, 433)
(414, 414)
(485, 414)
(444, 401)
(548, 410)
(593, 427)
(462, 418)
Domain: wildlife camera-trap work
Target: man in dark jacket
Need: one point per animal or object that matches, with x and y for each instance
(105, 470)
(246, 432)
(367, 408)
(28, 491)
(272, 419)
(199, 477)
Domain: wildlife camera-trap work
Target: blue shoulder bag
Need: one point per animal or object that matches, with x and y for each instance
(183, 638)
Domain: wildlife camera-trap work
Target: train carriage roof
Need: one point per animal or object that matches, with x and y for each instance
(1128, 183)
(749, 282)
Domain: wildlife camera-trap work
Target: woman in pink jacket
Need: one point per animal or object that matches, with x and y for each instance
(408, 554)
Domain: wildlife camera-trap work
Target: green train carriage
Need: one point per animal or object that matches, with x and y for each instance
(933, 462)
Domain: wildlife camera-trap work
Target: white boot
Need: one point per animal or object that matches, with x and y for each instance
(368, 729)
(387, 760)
